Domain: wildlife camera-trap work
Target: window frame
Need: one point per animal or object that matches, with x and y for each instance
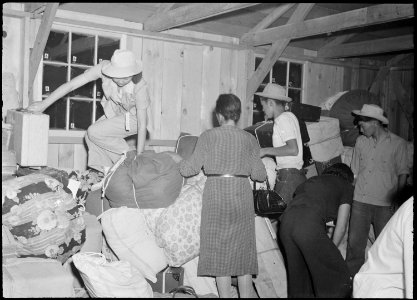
(288, 61)
(38, 82)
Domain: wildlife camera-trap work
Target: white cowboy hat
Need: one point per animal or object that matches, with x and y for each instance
(274, 91)
(123, 64)
(372, 111)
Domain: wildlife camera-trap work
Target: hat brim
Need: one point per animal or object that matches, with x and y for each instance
(281, 98)
(380, 118)
(117, 72)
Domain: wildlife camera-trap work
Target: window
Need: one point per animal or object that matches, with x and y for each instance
(288, 74)
(68, 54)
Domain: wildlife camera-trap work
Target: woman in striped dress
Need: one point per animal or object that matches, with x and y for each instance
(228, 155)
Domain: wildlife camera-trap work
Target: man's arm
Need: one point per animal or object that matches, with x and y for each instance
(289, 149)
(91, 74)
(341, 224)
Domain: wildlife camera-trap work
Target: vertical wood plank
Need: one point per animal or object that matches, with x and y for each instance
(53, 156)
(153, 66)
(211, 86)
(225, 71)
(135, 44)
(246, 68)
(172, 90)
(323, 81)
(80, 157)
(66, 156)
(191, 92)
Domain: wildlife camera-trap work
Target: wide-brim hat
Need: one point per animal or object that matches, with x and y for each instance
(274, 91)
(122, 64)
(371, 111)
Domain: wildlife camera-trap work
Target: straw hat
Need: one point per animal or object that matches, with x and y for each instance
(123, 64)
(274, 91)
(372, 111)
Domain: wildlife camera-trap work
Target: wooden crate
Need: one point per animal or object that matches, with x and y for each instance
(29, 137)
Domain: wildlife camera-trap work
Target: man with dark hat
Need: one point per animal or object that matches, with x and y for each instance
(380, 166)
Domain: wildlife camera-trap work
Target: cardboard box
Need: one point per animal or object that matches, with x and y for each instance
(168, 279)
(29, 137)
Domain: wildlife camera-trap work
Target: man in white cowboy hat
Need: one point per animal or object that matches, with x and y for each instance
(379, 163)
(286, 140)
(126, 105)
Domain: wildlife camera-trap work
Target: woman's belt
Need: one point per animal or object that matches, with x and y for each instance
(226, 175)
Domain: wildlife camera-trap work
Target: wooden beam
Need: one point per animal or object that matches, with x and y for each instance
(152, 35)
(16, 13)
(402, 97)
(40, 42)
(191, 13)
(384, 71)
(268, 20)
(338, 40)
(162, 8)
(398, 43)
(275, 52)
(351, 19)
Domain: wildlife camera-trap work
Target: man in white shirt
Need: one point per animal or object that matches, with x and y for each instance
(388, 271)
(286, 140)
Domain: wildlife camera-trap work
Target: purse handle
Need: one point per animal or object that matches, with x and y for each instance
(183, 289)
(267, 185)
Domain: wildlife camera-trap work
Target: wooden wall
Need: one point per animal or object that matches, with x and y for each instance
(185, 79)
(322, 81)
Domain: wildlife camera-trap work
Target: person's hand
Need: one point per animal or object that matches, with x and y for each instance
(37, 107)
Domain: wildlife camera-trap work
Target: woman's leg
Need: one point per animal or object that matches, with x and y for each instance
(245, 286)
(224, 285)
(105, 141)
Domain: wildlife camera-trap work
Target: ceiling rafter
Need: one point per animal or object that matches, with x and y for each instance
(351, 19)
(191, 13)
(41, 39)
(275, 51)
(269, 19)
(338, 41)
(383, 45)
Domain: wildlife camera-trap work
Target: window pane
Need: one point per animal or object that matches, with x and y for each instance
(99, 89)
(53, 77)
(295, 95)
(57, 114)
(257, 63)
(80, 114)
(99, 110)
(84, 91)
(56, 48)
(82, 49)
(279, 73)
(106, 47)
(296, 75)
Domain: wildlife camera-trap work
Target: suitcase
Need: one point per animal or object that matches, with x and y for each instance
(30, 137)
(306, 112)
(263, 133)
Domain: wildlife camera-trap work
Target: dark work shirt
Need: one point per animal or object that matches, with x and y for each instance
(323, 194)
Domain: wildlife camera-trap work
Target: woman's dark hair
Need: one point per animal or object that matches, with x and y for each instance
(229, 106)
(341, 170)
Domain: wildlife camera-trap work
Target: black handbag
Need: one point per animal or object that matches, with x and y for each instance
(267, 202)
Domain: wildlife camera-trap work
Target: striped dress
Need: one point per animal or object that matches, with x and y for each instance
(227, 234)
